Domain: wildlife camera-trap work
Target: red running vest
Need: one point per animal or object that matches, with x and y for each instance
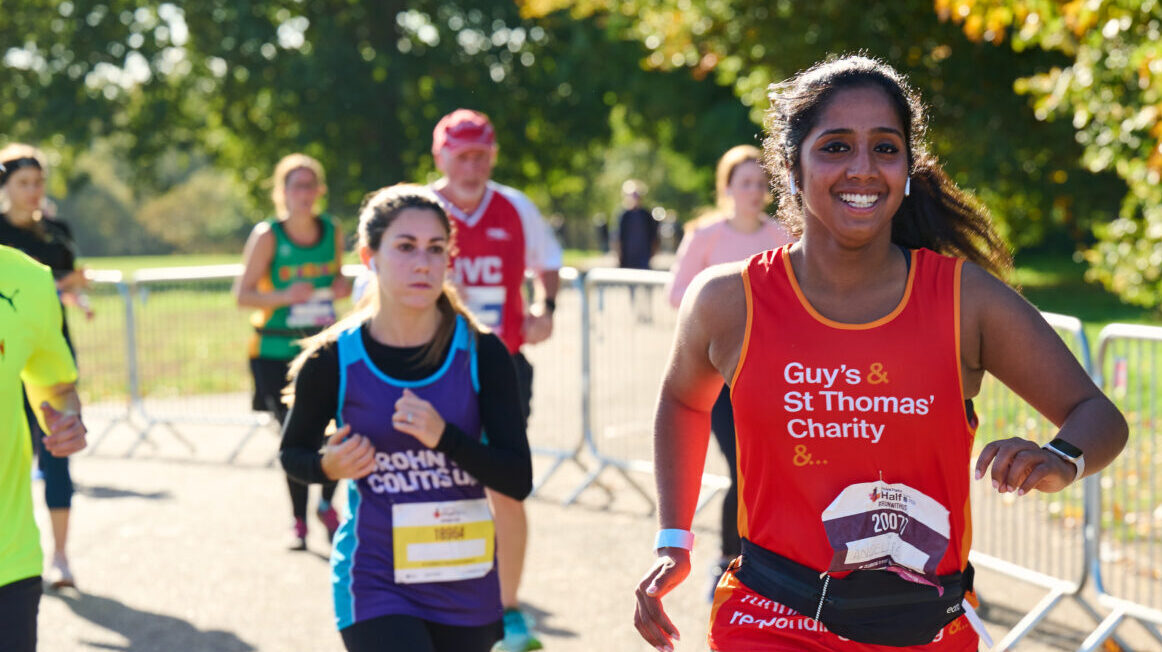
(820, 405)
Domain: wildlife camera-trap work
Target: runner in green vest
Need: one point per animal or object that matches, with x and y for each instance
(292, 276)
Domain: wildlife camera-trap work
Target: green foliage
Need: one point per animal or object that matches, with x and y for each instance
(1026, 171)
(1109, 91)
(357, 85)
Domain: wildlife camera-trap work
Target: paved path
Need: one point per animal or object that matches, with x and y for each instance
(180, 552)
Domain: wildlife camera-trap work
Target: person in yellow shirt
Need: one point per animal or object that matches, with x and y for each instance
(33, 352)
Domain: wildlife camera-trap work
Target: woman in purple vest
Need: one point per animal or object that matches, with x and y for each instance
(428, 416)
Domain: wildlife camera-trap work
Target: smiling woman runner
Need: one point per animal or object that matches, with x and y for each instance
(851, 355)
(414, 563)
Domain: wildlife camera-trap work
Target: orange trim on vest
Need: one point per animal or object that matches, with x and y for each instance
(746, 333)
(834, 324)
(966, 542)
(743, 514)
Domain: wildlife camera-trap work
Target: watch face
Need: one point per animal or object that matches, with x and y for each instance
(1066, 447)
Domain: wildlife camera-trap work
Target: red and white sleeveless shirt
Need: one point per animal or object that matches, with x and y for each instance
(495, 244)
(821, 407)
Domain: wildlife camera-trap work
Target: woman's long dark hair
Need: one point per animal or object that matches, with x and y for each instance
(937, 215)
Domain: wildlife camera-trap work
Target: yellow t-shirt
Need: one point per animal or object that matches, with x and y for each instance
(32, 350)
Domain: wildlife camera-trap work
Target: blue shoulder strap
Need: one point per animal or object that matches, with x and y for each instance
(350, 350)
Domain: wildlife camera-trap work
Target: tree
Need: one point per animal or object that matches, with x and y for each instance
(1026, 171)
(1109, 91)
(358, 85)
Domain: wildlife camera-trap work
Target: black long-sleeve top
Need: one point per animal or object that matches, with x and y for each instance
(504, 464)
(49, 241)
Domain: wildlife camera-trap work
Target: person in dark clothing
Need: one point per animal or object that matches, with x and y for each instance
(637, 230)
(414, 561)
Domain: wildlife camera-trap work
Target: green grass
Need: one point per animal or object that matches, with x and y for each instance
(1056, 283)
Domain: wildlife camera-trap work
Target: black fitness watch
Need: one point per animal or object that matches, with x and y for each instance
(1069, 452)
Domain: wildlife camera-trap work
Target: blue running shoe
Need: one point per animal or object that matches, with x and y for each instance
(517, 637)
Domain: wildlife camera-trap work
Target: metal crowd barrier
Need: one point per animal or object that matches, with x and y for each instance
(554, 427)
(105, 355)
(190, 341)
(628, 327)
(1127, 566)
(1040, 538)
(167, 350)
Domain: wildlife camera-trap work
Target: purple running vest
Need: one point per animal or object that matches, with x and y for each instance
(362, 558)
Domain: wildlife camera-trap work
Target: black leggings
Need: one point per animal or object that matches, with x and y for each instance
(19, 603)
(410, 634)
(722, 424)
(298, 496)
(269, 379)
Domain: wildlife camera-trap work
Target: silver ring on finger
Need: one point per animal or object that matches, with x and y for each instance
(408, 417)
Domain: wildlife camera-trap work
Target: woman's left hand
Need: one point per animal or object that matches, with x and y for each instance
(1020, 465)
(416, 417)
(341, 287)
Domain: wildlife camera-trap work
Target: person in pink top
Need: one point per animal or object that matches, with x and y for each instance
(738, 229)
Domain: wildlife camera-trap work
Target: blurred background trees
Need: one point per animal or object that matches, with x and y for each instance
(163, 121)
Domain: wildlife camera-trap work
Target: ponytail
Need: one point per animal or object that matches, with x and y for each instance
(940, 216)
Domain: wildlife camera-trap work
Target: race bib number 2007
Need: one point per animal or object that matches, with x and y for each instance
(442, 541)
(877, 525)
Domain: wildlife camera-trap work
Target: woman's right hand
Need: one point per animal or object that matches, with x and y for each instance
(671, 567)
(348, 456)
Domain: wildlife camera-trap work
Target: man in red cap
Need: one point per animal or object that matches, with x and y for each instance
(499, 235)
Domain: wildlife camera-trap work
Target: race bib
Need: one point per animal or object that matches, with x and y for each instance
(442, 541)
(876, 525)
(319, 310)
(487, 303)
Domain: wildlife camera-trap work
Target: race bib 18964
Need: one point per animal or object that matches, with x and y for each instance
(442, 541)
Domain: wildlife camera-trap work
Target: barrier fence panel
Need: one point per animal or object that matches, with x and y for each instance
(629, 327)
(1128, 575)
(555, 424)
(106, 373)
(1037, 538)
(191, 351)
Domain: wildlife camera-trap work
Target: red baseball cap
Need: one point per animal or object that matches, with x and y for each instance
(463, 128)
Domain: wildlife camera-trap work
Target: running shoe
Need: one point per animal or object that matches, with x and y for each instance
(299, 535)
(517, 637)
(59, 576)
(330, 519)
